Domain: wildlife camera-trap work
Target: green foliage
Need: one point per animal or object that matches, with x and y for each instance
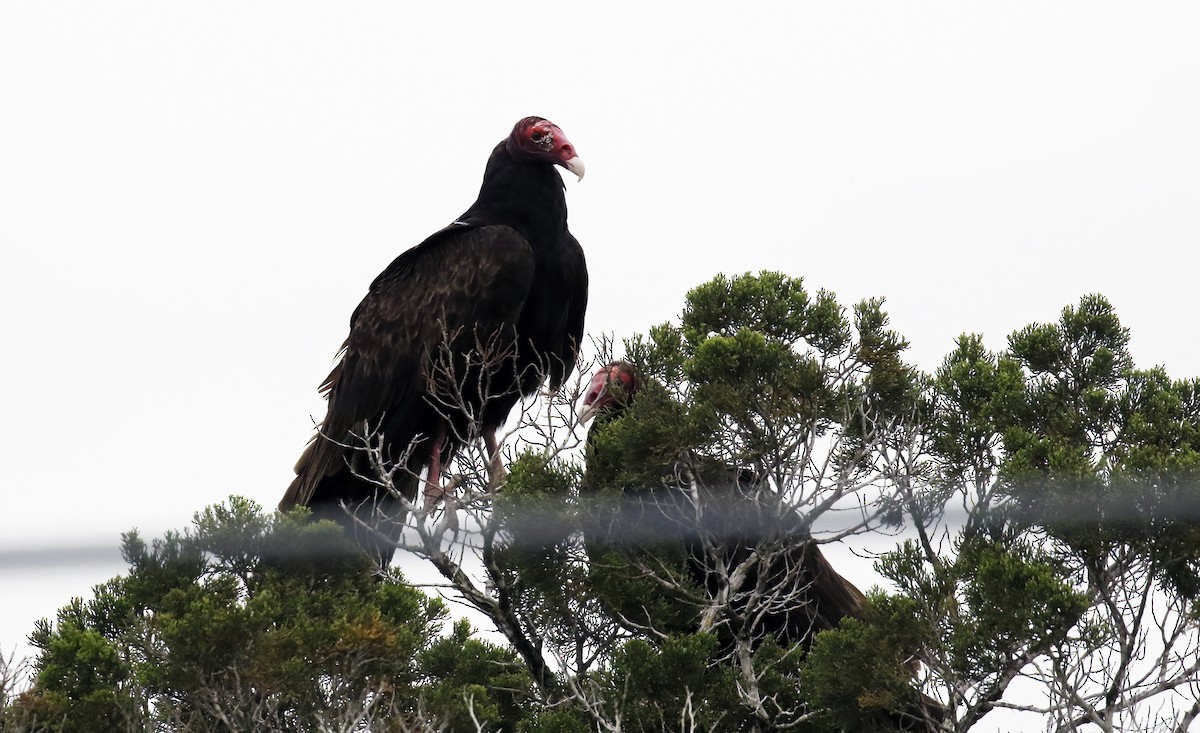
(974, 393)
(633, 599)
(889, 386)
(83, 679)
(1075, 368)
(659, 684)
(534, 509)
(556, 720)
(858, 676)
(1078, 473)
(1013, 598)
(540, 566)
(1097, 452)
(638, 452)
(641, 449)
(1100, 453)
(247, 613)
(473, 680)
(771, 304)
(757, 364)
(987, 605)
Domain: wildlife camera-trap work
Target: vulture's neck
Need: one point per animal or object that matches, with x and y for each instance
(526, 196)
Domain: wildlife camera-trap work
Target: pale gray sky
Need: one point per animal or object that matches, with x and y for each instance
(194, 197)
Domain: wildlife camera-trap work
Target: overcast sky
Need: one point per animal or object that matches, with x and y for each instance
(194, 197)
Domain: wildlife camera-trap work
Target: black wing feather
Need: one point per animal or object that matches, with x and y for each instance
(474, 278)
(577, 287)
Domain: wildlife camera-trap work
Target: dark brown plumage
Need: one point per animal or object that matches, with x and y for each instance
(730, 525)
(449, 337)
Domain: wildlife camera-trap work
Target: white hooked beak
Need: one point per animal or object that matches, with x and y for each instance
(575, 165)
(586, 413)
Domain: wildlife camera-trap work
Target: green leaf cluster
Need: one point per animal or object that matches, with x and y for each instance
(756, 365)
(246, 615)
(859, 676)
(659, 685)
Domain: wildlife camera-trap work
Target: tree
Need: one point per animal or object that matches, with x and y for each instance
(1049, 492)
(251, 622)
(1077, 562)
(1056, 533)
(1048, 561)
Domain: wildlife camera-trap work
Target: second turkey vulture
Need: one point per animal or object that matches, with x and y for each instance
(719, 528)
(737, 544)
(448, 338)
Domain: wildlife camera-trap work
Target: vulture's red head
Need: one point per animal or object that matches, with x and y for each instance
(611, 389)
(537, 139)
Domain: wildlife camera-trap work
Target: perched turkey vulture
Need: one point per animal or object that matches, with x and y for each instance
(721, 520)
(449, 337)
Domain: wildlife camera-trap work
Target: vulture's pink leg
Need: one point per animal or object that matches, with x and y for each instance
(496, 472)
(433, 478)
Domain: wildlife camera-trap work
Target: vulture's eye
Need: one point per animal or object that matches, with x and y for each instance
(542, 139)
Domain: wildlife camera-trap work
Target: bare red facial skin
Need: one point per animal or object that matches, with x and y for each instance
(611, 384)
(562, 148)
(541, 139)
(597, 395)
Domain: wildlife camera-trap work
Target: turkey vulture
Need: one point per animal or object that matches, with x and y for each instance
(448, 338)
(721, 519)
